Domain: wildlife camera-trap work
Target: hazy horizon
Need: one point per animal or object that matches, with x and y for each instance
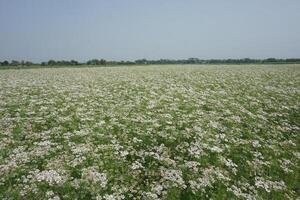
(118, 30)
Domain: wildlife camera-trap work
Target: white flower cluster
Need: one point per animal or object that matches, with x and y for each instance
(269, 185)
(174, 177)
(49, 176)
(93, 176)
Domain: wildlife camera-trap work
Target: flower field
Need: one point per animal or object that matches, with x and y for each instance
(150, 132)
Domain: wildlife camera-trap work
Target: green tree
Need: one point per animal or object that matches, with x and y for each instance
(102, 62)
(14, 63)
(51, 62)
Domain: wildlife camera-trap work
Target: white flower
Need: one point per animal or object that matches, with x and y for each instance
(136, 165)
(50, 176)
(174, 176)
(267, 185)
(109, 197)
(124, 153)
(216, 149)
(93, 176)
(150, 196)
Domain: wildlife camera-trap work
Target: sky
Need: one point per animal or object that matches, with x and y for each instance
(39, 30)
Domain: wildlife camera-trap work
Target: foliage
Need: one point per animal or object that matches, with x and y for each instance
(173, 132)
(144, 61)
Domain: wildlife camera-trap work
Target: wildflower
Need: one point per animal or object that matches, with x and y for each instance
(50, 176)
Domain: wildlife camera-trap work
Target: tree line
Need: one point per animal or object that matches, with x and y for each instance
(103, 62)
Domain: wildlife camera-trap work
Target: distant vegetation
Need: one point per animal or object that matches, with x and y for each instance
(103, 62)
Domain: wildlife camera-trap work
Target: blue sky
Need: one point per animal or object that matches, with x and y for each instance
(40, 30)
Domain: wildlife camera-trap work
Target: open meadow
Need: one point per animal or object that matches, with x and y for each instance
(150, 132)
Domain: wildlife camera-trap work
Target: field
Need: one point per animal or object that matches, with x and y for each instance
(150, 132)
